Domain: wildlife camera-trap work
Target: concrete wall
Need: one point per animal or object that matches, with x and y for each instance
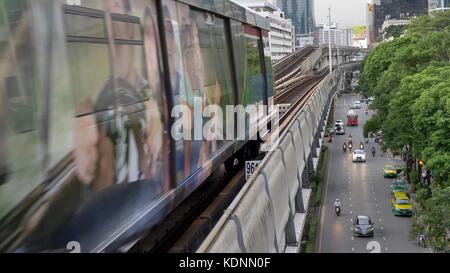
(267, 214)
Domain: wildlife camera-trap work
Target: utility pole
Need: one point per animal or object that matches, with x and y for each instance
(329, 40)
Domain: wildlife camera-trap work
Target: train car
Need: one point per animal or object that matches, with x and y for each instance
(88, 157)
(352, 118)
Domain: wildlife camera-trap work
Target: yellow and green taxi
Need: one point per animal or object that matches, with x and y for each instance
(401, 204)
(390, 171)
(399, 185)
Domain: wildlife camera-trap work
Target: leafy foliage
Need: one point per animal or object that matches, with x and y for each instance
(394, 31)
(410, 79)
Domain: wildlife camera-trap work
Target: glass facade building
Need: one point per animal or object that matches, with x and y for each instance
(438, 5)
(301, 12)
(397, 9)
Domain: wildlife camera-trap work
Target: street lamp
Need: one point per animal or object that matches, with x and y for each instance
(329, 40)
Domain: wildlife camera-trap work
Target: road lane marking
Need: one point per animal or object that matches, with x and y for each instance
(384, 238)
(386, 248)
(374, 246)
(351, 212)
(353, 249)
(382, 228)
(353, 238)
(350, 205)
(378, 212)
(376, 205)
(379, 219)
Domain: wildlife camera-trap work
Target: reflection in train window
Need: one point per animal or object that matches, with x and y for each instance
(248, 63)
(205, 41)
(89, 69)
(126, 28)
(85, 26)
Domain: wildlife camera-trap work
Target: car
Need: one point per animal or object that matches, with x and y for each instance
(363, 226)
(339, 123)
(390, 171)
(370, 100)
(359, 156)
(357, 105)
(401, 204)
(340, 130)
(398, 185)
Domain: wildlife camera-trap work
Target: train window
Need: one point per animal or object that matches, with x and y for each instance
(89, 56)
(213, 70)
(126, 28)
(85, 26)
(16, 78)
(248, 63)
(140, 136)
(89, 69)
(254, 90)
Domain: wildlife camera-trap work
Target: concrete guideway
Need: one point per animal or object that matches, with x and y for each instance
(268, 214)
(362, 189)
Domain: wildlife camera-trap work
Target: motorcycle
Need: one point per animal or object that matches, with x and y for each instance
(367, 112)
(344, 148)
(373, 152)
(337, 210)
(350, 146)
(367, 140)
(361, 146)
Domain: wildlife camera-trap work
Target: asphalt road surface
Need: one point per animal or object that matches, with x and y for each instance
(362, 190)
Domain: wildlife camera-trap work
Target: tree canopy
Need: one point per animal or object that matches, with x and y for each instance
(410, 79)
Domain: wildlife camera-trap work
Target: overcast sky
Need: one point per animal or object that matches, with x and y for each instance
(347, 13)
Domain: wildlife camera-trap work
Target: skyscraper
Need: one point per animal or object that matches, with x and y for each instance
(396, 9)
(438, 5)
(301, 12)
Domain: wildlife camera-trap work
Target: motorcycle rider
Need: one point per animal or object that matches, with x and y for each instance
(337, 203)
(367, 140)
(373, 150)
(361, 145)
(344, 147)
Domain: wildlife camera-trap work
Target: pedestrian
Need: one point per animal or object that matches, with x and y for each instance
(424, 175)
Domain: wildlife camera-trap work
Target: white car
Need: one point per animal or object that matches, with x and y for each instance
(339, 130)
(339, 123)
(359, 156)
(357, 105)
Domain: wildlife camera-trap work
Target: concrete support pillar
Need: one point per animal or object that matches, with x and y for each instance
(299, 202)
(311, 170)
(291, 238)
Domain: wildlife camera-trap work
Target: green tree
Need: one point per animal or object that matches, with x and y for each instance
(394, 31)
(410, 79)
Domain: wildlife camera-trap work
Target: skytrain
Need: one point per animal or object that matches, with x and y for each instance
(88, 161)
